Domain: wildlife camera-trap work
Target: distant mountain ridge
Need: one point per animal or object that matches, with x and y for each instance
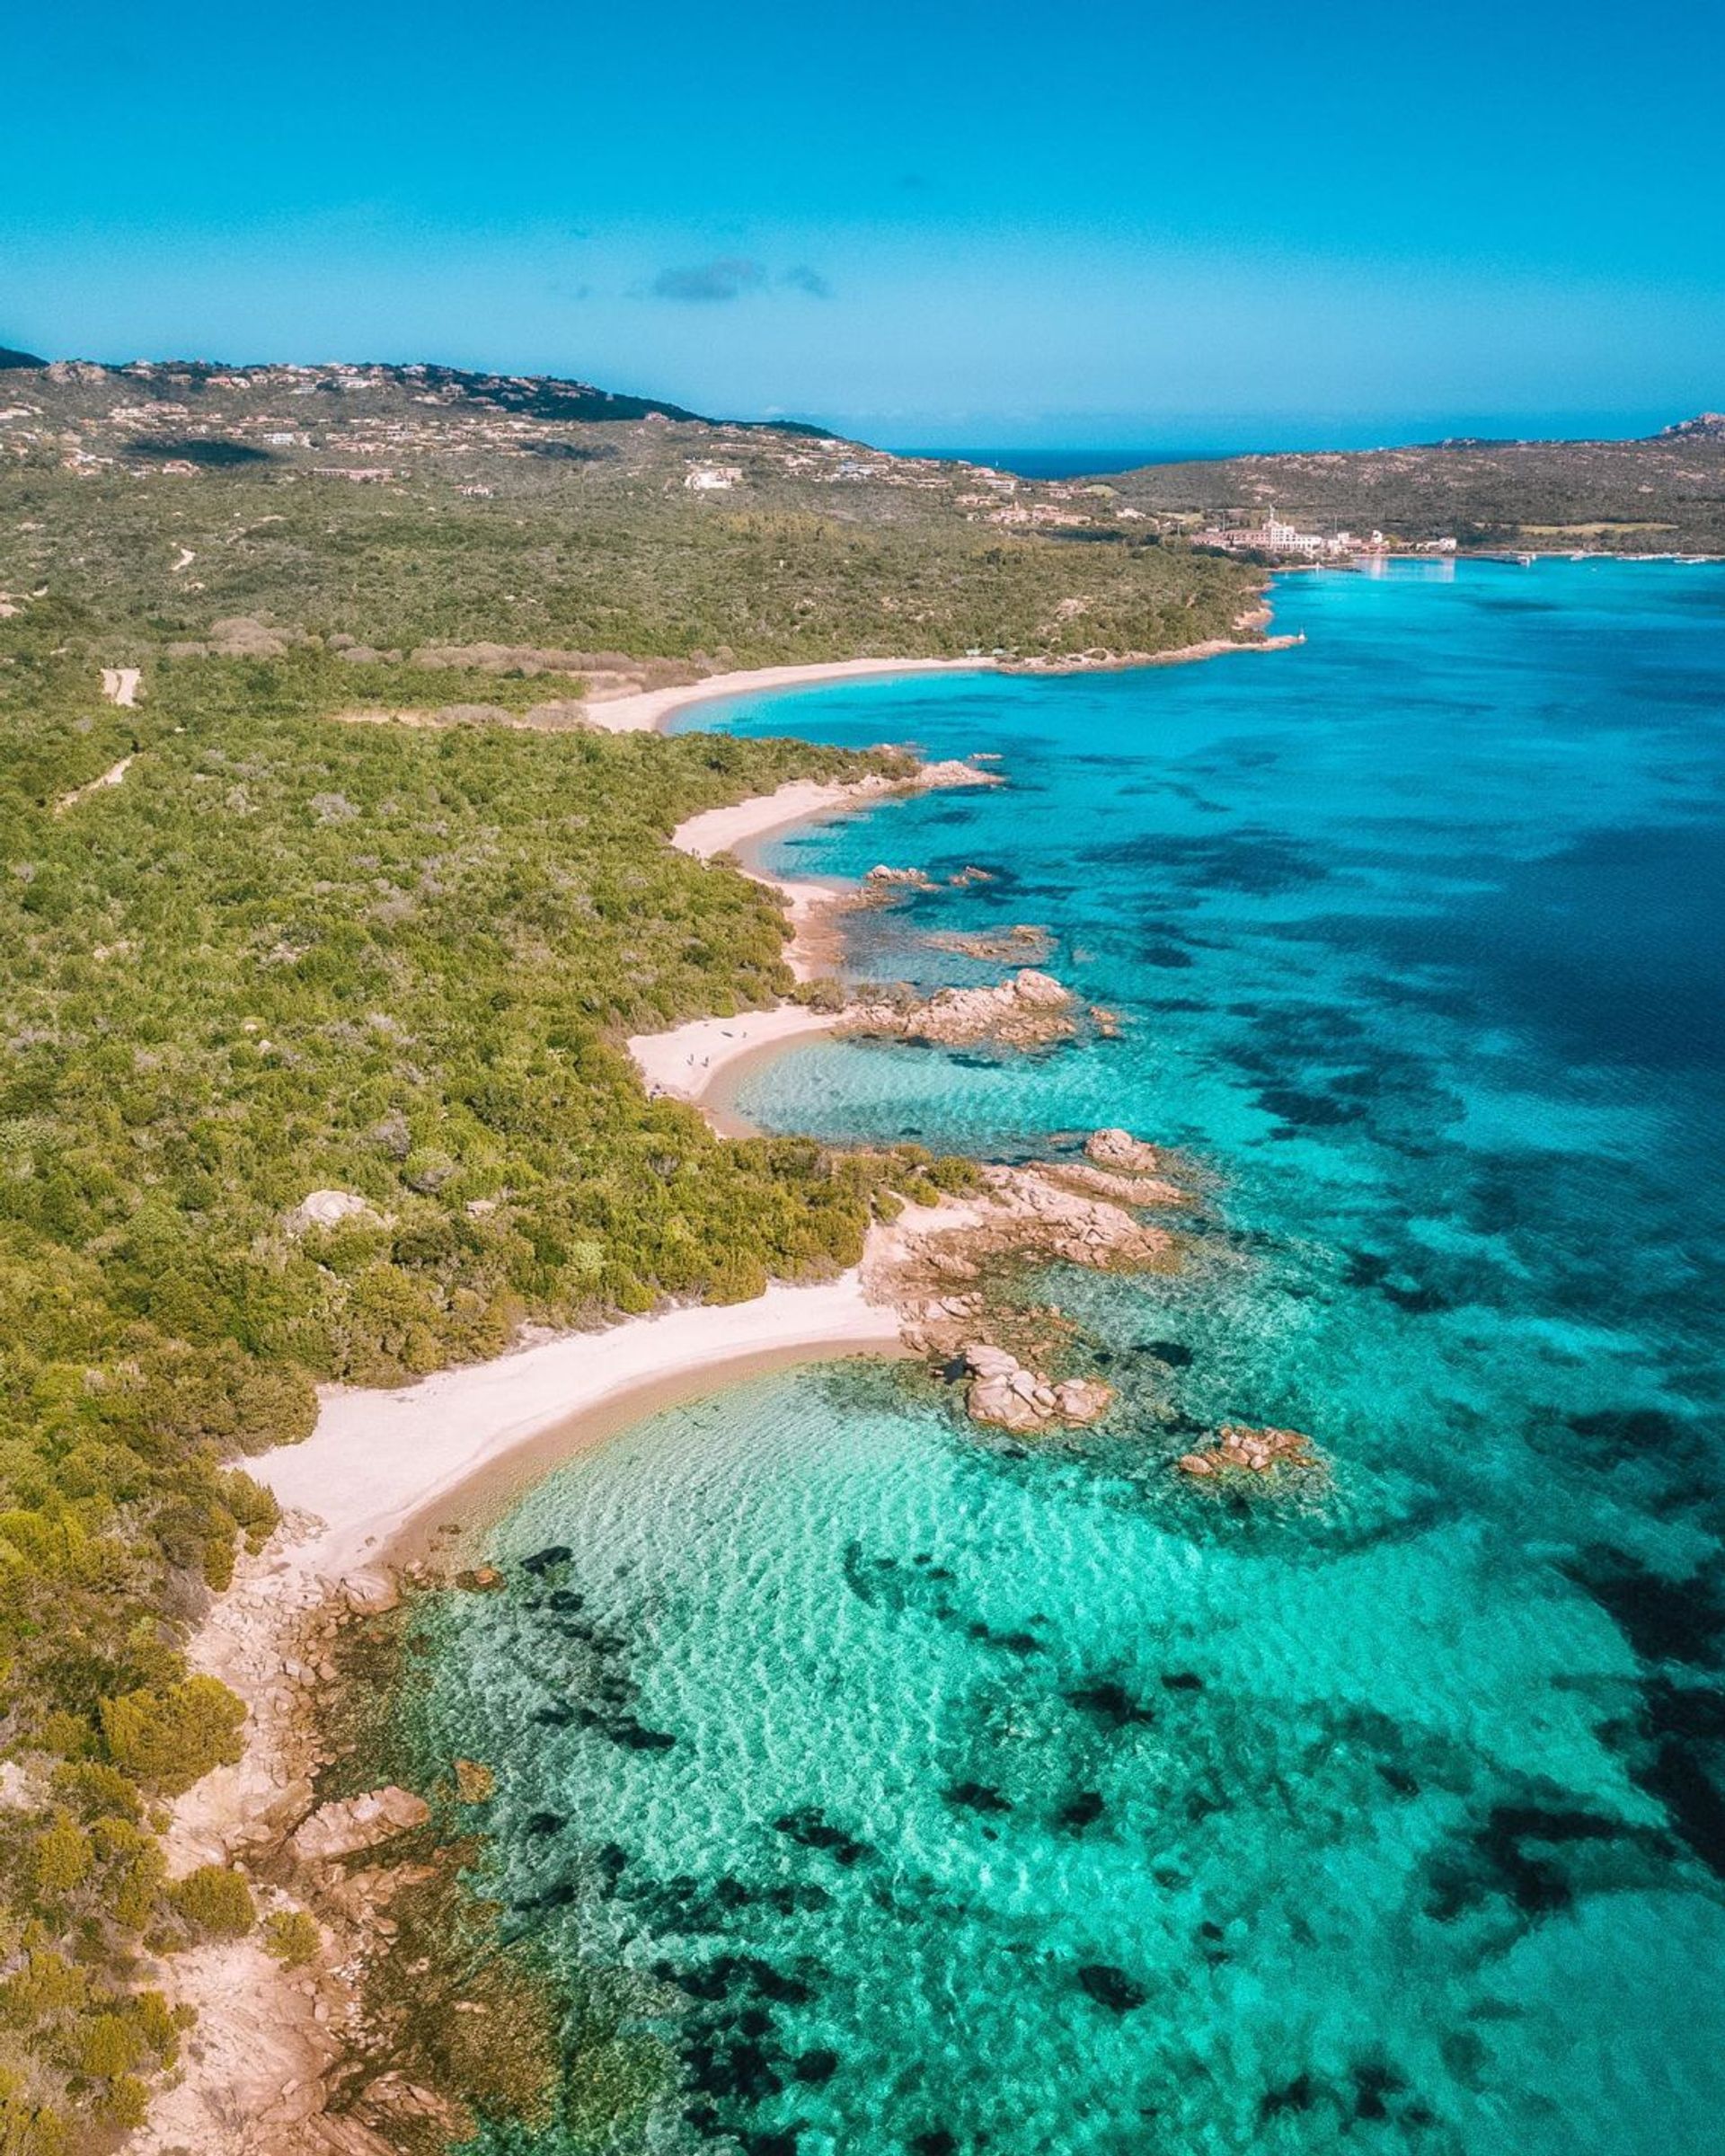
(530, 396)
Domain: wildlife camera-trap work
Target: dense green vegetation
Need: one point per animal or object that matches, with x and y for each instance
(288, 954)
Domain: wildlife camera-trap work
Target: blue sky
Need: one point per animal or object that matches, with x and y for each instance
(950, 222)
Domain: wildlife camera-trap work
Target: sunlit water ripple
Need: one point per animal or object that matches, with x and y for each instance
(965, 1797)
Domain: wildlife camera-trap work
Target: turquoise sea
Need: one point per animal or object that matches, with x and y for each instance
(932, 1795)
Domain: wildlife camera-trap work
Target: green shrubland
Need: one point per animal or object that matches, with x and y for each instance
(288, 954)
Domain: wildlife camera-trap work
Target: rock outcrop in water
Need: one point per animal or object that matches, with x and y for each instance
(881, 878)
(1024, 1215)
(1022, 944)
(1007, 1396)
(1030, 1011)
(1120, 1151)
(1048, 1210)
(1239, 1449)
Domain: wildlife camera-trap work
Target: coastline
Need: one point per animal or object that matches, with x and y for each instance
(376, 1480)
(378, 1460)
(648, 711)
(742, 826)
(701, 1061)
(383, 1474)
(382, 1469)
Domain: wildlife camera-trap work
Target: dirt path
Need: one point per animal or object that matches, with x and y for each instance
(120, 685)
(112, 776)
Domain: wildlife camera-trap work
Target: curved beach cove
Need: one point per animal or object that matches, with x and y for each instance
(877, 1785)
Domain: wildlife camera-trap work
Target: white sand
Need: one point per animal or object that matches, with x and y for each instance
(120, 686)
(648, 709)
(376, 1459)
(745, 824)
(687, 1062)
(645, 710)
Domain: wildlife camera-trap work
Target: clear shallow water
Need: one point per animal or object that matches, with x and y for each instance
(960, 1798)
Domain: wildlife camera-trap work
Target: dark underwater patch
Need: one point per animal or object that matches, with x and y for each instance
(1381, 1275)
(811, 1829)
(1517, 1855)
(1678, 1776)
(1296, 2096)
(1663, 1619)
(1304, 1109)
(1111, 1703)
(976, 1797)
(633, 1737)
(1253, 861)
(547, 1559)
(1111, 1987)
(1610, 946)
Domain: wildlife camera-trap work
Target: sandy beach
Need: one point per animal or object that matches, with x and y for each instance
(700, 1062)
(689, 1062)
(741, 828)
(386, 1472)
(378, 1458)
(647, 710)
(381, 1474)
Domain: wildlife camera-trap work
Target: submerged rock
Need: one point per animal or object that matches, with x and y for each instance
(1111, 1987)
(542, 1560)
(475, 1783)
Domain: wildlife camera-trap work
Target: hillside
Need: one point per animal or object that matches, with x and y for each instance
(396, 508)
(1663, 495)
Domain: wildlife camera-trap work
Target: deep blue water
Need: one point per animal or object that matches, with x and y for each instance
(941, 1796)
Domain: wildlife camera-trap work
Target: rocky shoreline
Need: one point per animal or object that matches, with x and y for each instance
(296, 2060)
(299, 2061)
